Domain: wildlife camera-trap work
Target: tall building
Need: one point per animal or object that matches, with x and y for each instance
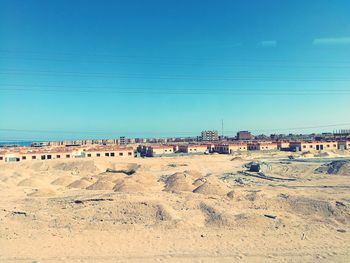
(244, 135)
(122, 140)
(209, 136)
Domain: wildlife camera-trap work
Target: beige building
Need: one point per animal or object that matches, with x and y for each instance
(313, 146)
(108, 152)
(283, 145)
(193, 148)
(344, 145)
(49, 153)
(158, 150)
(230, 148)
(262, 146)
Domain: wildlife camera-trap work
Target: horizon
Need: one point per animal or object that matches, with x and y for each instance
(165, 69)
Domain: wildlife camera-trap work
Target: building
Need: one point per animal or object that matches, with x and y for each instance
(262, 146)
(193, 149)
(283, 145)
(313, 146)
(122, 140)
(52, 153)
(111, 151)
(209, 136)
(157, 150)
(244, 135)
(229, 148)
(344, 145)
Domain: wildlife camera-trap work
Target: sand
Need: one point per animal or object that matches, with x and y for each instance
(176, 209)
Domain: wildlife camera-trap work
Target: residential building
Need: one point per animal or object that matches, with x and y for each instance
(229, 148)
(344, 145)
(193, 148)
(244, 135)
(313, 146)
(158, 150)
(262, 146)
(209, 136)
(283, 145)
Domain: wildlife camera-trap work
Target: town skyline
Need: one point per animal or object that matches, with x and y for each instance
(161, 69)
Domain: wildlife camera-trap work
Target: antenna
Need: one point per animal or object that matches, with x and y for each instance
(222, 128)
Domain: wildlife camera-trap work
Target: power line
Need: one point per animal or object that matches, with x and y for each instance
(173, 77)
(168, 132)
(181, 92)
(110, 55)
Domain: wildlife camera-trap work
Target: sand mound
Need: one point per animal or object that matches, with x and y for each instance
(214, 217)
(101, 185)
(126, 168)
(64, 180)
(44, 192)
(112, 177)
(128, 185)
(193, 173)
(309, 207)
(30, 182)
(307, 155)
(81, 183)
(179, 182)
(199, 181)
(335, 167)
(237, 159)
(40, 166)
(212, 186)
(76, 167)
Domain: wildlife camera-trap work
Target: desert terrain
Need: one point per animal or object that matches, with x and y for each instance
(208, 208)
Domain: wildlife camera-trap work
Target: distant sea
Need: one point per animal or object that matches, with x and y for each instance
(19, 143)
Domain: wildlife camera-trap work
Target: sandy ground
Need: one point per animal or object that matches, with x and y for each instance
(175, 209)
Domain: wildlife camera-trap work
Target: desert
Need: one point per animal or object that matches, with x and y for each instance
(201, 208)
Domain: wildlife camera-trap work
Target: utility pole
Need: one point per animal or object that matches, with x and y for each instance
(222, 128)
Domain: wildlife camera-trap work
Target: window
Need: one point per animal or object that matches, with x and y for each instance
(166, 150)
(112, 154)
(49, 157)
(106, 154)
(33, 157)
(310, 146)
(58, 156)
(1, 158)
(98, 154)
(89, 155)
(24, 158)
(304, 146)
(334, 145)
(328, 146)
(43, 157)
(129, 153)
(120, 154)
(67, 156)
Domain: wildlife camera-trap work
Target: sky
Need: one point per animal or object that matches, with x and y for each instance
(100, 69)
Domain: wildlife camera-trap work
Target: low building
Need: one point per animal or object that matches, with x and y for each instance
(108, 152)
(344, 145)
(262, 146)
(283, 145)
(158, 150)
(229, 148)
(313, 146)
(193, 149)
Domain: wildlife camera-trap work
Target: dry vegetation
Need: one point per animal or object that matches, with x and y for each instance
(181, 209)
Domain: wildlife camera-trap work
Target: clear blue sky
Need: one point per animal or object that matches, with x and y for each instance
(95, 69)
